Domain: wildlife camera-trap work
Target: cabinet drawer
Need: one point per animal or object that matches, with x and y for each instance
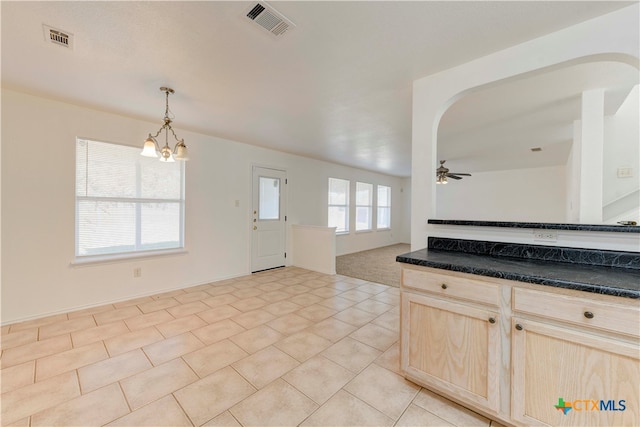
(452, 286)
(613, 317)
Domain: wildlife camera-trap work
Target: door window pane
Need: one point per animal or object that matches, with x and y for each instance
(269, 198)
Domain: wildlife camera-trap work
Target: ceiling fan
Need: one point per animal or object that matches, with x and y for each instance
(442, 173)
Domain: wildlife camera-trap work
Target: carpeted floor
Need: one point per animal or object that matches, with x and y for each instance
(375, 265)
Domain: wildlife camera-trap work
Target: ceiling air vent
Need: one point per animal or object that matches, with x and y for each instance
(58, 37)
(269, 19)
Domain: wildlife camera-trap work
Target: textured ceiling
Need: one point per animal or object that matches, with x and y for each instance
(337, 87)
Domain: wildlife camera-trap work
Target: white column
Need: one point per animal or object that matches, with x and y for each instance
(573, 175)
(591, 155)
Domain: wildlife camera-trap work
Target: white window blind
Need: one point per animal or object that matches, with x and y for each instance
(339, 204)
(126, 203)
(384, 207)
(364, 206)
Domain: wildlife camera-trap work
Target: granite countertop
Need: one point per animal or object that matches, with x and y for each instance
(615, 281)
(541, 225)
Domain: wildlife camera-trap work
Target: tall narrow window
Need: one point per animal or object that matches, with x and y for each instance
(384, 207)
(339, 204)
(126, 203)
(364, 206)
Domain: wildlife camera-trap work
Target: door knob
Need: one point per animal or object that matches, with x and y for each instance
(255, 227)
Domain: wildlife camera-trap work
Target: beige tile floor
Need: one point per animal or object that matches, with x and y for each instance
(283, 347)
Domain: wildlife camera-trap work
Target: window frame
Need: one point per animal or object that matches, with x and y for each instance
(140, 250)
(379, 206)
(368, 206)
(346, 206)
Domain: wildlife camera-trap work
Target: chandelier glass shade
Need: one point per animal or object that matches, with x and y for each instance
(166, 154)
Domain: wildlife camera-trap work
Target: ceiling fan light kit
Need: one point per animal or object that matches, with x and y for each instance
(442, 174)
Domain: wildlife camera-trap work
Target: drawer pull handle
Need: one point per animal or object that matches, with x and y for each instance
(519, 326)
(444, 286)
(588, 315)
(492, 320)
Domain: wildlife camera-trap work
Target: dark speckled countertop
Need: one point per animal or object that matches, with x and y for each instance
(602, 279)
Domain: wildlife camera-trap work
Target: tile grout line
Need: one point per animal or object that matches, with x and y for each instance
(186, 414)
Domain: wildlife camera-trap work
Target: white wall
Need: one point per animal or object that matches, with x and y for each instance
(591, 153)
(522, 195)
(614, 36)
(406, 211)
(573, 171)
(38, 208)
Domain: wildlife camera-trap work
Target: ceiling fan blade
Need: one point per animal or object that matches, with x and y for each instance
(453, 176)
(462, 174)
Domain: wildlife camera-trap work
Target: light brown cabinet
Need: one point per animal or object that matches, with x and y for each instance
(511, 350)
(551, 363)
(452, 346)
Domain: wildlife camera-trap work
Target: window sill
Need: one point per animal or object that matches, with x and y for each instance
(383, 229)
(116, 258)
(364, 231)
(342, 233)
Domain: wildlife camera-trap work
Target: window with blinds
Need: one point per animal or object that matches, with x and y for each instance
(384, 207)
(339, 205)
(364, 206)
(126, 203)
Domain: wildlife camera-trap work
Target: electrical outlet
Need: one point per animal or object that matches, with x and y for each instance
(546, 235)
(137, 272)
(625, 172)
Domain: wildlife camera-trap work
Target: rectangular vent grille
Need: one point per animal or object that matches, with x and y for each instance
(257, 10)
(269, 19)
(58, 37)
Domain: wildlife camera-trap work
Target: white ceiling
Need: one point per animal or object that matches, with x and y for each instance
(337, 87)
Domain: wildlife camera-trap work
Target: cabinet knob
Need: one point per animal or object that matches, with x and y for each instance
(588, 315)
(519, 326)
(444, 286)
(492, 320)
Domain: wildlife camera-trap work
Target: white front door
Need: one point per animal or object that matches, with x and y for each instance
(268, 219)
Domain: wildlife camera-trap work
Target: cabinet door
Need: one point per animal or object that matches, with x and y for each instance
(564, 377)
(451, 347)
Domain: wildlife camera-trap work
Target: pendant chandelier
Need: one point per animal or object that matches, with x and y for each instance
(166, 154)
